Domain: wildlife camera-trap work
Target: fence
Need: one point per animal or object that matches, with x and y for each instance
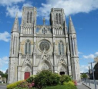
(91, 83)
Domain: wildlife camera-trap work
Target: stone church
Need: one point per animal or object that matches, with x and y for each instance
(43, 47)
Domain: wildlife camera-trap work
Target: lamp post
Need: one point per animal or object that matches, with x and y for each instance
(93, 73)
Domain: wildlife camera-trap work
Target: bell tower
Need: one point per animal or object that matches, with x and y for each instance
(57, 16)
(28, 20)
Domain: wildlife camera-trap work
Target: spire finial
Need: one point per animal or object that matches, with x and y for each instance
(16, 14)
(43, 21)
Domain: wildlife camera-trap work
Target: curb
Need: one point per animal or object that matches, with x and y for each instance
(86, 85)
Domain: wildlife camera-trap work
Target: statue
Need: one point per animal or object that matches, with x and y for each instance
(44, 55)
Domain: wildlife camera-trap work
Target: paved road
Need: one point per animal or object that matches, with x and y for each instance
(2, 86)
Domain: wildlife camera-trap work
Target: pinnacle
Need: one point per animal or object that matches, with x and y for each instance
(16, 24)
(71, 29)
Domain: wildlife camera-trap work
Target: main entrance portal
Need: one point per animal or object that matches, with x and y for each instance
(26, 75)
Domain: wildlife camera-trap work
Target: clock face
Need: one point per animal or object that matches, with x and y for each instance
(44, 45)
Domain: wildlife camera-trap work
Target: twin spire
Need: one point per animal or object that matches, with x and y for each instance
(71, 29)
(16, 24)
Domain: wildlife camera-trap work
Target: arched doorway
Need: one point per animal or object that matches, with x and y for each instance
(62, 69)
(26, 71)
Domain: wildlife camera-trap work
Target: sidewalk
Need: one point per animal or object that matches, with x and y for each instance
(81, 86)
(91, 85)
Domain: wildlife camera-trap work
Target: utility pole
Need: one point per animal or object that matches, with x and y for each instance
(93, 73)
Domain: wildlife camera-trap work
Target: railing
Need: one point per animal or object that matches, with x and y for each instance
(90, 83)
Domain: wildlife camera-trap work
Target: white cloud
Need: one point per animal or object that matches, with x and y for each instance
(3, 62)
(5, 36)
(10, 2)
(96, 53)
(91, 56)
(70, 6)
(84, 68)
(79, 53)
(12, 10)
(28, 4)
(3, 71)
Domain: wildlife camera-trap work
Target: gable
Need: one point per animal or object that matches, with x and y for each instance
(44, 30)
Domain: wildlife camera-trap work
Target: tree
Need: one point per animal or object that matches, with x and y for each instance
(84, 76)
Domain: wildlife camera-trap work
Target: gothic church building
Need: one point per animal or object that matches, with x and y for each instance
(43, 47)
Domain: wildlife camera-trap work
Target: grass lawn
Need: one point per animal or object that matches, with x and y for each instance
(60, 87)
(55, 87)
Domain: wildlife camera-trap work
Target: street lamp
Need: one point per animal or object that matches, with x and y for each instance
(93, 73)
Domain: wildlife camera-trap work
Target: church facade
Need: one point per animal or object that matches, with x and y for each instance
(43, 47)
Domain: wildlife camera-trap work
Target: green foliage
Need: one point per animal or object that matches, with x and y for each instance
(69, 83)
(13, 85)
(46, 78)
(65, 78)
(23, 84)
(84, 76)
(30, 79)
(3, 75)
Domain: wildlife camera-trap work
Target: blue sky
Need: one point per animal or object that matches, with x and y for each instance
(84, 14)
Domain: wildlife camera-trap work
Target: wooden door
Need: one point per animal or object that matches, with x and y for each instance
(26, 75)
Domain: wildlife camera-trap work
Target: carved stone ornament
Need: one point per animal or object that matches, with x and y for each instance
(45, 56)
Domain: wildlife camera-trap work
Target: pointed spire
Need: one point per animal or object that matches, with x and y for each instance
(16, 24)
(71, 28)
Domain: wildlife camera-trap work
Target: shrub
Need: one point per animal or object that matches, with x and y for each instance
(55, 79)
(23, 84)
(69, 83)
(13, 85)
(46, 78)
(65, 78)
(30, 79)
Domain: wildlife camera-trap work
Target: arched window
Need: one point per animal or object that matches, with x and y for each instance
(31, 17)
(28, 47)
(61, 48)
(57, 18)
(28, 17)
